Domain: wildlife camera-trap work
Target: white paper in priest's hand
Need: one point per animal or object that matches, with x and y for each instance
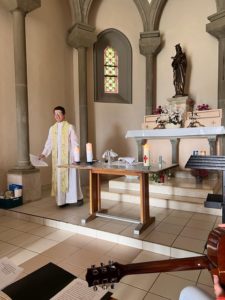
(36, 162)
(129, 160)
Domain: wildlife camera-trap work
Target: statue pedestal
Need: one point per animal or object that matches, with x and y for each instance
(179, 102)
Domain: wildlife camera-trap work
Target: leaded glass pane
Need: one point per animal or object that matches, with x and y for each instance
(110, 70)
(111, 84)
(110, 57)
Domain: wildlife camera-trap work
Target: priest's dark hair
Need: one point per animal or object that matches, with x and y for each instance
(60, 108)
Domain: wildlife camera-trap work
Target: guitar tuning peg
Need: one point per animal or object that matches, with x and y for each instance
(112, 286)
(95, 288)
(101, 264)
(93, 266)
(95, 272)
(104, 286)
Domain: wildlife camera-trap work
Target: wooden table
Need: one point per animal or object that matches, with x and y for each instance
(98, 169)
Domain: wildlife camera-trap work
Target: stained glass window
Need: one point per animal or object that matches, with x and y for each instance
(111, 72)
(112, 67)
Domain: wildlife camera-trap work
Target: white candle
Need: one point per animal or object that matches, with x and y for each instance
(77, 154)
(89, 152)
(146, 155)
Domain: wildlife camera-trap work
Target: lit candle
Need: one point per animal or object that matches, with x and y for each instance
(203, 152)
(146, 155)
(89, 152)
(77, 154)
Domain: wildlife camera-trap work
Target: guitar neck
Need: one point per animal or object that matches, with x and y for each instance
(169, 265)
(214, 261)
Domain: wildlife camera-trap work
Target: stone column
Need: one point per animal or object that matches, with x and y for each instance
(216, 27)
(140, 144)
(23, 173)
(212, 145)
(83, 106)
(23, 160)
(149, 45)
(82, 36)
(175, 150)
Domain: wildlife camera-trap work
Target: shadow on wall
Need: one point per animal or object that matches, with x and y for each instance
(188, 76)
(117, 142)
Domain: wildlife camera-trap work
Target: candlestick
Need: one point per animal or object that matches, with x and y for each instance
(77, 154)
(146, 155)
(89, 153)
(160, 161)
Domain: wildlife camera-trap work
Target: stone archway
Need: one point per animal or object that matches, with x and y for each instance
(150, 39)
(150, 13)
(220, 4)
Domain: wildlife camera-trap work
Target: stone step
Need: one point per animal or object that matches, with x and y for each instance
(134, 196)
(193, 204)
(176, 193)
(174, 186)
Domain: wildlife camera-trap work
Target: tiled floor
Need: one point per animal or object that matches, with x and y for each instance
(44, 233)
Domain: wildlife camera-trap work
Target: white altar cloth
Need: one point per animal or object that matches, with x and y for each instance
(191, 132)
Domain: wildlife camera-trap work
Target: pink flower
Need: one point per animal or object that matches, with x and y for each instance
(203, 107)
(158, 110)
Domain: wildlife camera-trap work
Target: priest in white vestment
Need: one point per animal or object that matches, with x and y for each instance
(61, 143)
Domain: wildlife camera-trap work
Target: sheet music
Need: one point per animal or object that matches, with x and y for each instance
(36, 162)
(8, 272)
(78, 290)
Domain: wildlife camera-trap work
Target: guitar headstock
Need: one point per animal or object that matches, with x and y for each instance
(105, 275)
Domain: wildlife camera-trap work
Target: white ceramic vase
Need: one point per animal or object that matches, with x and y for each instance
(171, 125)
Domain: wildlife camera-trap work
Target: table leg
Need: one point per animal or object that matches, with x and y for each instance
(94, 196)
(94, 192)
(144, 204)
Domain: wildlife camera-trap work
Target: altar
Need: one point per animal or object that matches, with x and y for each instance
(175, 135)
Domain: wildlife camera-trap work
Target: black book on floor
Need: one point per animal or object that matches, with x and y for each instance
(41, 284)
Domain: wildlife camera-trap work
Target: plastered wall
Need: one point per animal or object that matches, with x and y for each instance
(50, 79)
(182, 22)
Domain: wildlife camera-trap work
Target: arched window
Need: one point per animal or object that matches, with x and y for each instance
(113, 67)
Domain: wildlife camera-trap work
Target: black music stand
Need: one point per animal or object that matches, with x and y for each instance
(216, 163)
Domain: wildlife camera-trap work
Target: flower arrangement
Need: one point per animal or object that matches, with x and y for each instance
(200, 174)
(158, 110)
(194, 115)
(175, 116)
(169, 116)
(203, 107)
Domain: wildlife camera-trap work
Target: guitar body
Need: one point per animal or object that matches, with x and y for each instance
(216, 252)
(214, 261)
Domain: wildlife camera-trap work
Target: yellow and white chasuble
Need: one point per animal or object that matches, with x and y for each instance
(61, 142)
